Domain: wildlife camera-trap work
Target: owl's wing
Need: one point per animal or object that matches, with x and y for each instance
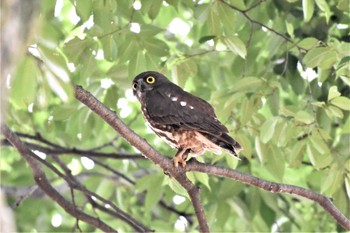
(173, 106)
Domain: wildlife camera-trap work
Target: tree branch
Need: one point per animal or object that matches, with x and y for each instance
(179, 173)
(245, 14)
(56, 149)
(42, 181)
(165, 163)
(273, 187)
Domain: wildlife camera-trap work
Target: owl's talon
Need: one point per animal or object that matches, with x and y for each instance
(177, 160)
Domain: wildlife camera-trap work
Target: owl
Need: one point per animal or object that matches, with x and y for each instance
(186, 122)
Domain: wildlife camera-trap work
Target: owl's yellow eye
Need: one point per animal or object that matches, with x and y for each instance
(150, 79)
(134, 86)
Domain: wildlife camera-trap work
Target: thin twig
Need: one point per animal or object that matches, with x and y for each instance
(59, 150)
(253, 6)
(42, 181)
(244, 13)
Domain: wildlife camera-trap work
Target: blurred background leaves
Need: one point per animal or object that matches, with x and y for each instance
(279, 80)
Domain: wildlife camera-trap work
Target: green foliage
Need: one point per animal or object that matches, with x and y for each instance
(278, 75)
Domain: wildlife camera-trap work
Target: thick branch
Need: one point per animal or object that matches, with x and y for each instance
(143, 146)
(41, 179)
(325, 202)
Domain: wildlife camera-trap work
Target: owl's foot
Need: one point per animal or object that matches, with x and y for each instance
(177, 160)
(181, 157)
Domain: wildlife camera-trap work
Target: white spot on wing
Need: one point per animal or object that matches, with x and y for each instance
(191, 107)
(169, 95)
(174, 98)
(183, 103)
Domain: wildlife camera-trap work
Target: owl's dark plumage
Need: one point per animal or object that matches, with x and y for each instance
(183, 120)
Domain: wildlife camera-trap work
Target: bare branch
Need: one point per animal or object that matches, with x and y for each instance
(273, 187)
(42, 181)
(56, 149)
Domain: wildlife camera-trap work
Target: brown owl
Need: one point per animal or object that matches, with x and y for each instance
(183, 120)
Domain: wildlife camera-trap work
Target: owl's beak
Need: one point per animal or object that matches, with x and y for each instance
(141, 86)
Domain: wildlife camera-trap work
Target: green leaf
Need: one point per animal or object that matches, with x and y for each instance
(154, 192)
(333, 181)
(286, 111)
(347, 186)
(297, 154)
(246, 144)
(184, 70)
(227, 17)
(319, 143)
(201, 12)
(63, 112)
(343, 5)
(346, 127)
(24, 84)
(55, 62)
(202, 178)
(275, 164)
(235, 45)
(317, 159)
(324, 74)
(333, 92)
(213, 19)
(129, 47)
(231, 161)
(155, 46)
(274, 102)
(286, 133)
(247, 110)
(110, 49)
(177, 188)
(76, 47)
(137, 64)
(154, 9)
(261, 150)
(341, 102)
(324, 57)
(62, 89)
(83, 9)
(143, 183)
(308, 43)
(322, 4)
(319, 104)
(290, 29)
(268, 129)
(150, 30)
(247, 84)
(304, 117)
(308, 9)
(343, 62)
(335, 111)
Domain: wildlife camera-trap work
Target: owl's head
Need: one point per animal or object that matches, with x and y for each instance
(148, 81)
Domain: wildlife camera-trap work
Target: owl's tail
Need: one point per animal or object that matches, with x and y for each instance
(226, 142)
